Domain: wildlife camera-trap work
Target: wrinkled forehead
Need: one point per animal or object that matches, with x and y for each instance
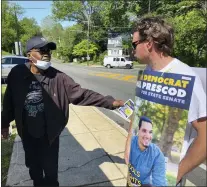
(135, 36)
(146, 125)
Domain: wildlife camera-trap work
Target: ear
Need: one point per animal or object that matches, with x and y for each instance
(149, 45)
(29, 56)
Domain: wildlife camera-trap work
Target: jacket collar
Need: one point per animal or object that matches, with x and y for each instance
(30, 74)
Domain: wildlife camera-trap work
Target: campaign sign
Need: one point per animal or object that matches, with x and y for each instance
(159, 121)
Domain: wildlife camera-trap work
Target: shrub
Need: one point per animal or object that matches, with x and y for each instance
(101, 57)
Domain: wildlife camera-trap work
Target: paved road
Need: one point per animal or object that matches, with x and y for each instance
(119, 83)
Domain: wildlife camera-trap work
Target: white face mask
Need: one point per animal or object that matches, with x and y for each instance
(42, 64)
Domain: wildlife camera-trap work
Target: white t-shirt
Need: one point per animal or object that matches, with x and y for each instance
(198, 100)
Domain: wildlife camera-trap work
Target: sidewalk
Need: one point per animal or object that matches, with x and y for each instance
(91, 152)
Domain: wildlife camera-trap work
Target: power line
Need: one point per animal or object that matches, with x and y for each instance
(110, 27)
(34, 8)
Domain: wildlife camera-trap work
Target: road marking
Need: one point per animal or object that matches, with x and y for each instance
(128, 77)
(117, 76)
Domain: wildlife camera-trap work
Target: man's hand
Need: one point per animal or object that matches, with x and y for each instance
(118, 103)
(5, 133)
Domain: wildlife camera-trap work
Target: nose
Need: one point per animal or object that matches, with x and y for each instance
(148, 135)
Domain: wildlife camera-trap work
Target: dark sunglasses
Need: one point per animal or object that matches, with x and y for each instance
(43, 50)
(134, 44)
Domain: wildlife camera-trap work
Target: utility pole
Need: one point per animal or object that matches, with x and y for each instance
(149, 6)
(17, 29)
(88, 37)
(88, 43)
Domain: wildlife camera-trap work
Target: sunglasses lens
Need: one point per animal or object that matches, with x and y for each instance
(134, 45)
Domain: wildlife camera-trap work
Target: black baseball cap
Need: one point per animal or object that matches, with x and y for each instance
(37, 42)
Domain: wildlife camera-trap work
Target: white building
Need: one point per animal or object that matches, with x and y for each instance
(114, 45)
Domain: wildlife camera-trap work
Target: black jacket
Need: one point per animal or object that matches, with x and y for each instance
(59, 90)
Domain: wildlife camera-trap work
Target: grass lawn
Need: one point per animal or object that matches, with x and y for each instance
(6, 151)
(6, 147)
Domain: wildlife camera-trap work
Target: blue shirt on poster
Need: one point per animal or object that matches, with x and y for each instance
(150, 163)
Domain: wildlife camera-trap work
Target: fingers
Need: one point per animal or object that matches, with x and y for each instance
(4, 133)
(4, 136)
(121, 103)
(118, 103)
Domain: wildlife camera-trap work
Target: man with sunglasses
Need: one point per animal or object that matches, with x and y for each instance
(37, 97)
(153, 43)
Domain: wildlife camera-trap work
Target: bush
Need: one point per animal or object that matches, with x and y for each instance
(95, 58)
(5, 53)
(101, 57)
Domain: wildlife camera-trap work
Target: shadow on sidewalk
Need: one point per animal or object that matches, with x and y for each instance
(78, 165)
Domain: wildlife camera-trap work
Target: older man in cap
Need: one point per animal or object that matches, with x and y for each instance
(37, 97)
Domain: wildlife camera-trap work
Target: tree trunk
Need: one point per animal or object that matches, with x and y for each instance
(164, 118)
(169, 130)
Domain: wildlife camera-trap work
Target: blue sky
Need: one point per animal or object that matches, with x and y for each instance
(38, 14)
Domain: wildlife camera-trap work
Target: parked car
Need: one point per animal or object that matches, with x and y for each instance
(8, 62)
(112, 61)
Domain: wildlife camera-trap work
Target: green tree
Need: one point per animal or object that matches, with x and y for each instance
(83, 47)
(102, 16)
(53, 31)
(71, 36)
(190, 46)
(28, 28)
(14, 28)
(10, 26)
(188, 18)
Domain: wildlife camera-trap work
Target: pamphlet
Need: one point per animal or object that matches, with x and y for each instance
(127, 110)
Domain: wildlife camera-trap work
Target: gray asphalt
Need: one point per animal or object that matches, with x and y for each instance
(118, 89)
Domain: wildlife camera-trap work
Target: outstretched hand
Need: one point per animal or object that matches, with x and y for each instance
(4, 133)
(118, 103)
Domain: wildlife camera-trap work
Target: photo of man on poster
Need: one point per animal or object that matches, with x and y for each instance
(146, 157)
